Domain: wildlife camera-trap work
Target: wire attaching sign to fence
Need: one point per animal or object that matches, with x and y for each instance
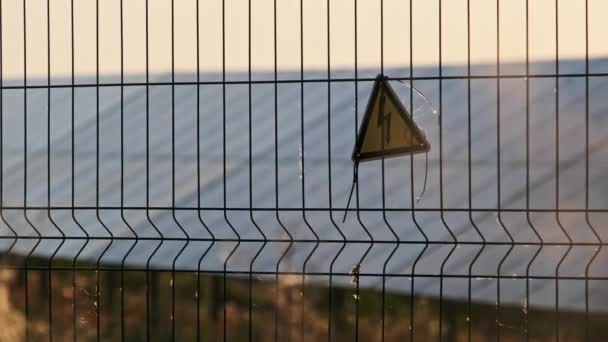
(387, 130)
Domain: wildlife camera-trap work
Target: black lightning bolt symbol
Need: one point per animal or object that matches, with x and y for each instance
(384, 118)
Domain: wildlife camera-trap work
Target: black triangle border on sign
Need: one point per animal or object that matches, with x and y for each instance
(357, 156)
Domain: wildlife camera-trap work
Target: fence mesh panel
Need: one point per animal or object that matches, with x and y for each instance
(178, 170)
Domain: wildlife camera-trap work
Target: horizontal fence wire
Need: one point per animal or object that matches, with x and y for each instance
(136, 184)
(305, 80)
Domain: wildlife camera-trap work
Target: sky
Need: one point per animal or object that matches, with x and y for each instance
(542, 38)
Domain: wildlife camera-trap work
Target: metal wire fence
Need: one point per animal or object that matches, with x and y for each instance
(207, 204)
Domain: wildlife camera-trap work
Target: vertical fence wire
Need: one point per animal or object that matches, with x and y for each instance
(587, 220)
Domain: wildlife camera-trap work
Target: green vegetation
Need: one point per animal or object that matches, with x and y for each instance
(148, 301)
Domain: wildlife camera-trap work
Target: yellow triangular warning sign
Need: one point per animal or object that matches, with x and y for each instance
(387, 129)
